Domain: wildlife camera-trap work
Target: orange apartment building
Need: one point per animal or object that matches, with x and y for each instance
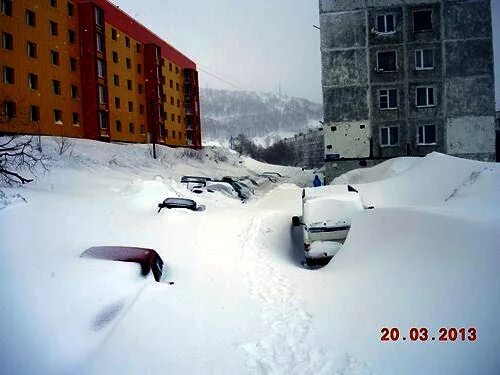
(86, 69)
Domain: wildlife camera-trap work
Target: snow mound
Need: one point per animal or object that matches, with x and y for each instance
(8, 199)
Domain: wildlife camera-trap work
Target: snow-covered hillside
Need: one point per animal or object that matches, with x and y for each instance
(257, 115)
(241, 302)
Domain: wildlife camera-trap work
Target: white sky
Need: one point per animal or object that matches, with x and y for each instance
(262, 45)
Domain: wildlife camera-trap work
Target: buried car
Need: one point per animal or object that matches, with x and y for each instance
(148, 259)
(326, 220)
(184, 203)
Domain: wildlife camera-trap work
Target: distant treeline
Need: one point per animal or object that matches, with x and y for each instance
(278, 153)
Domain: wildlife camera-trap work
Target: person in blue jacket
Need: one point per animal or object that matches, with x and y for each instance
(316, 181)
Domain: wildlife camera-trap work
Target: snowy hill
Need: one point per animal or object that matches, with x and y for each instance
(228, 113)
(427, 256)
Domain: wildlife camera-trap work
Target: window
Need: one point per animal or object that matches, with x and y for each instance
(177, 86)
(101, 68)
(72, 64)
(32, 81)
(170, 66)
(54, 57)
(114, 34)
(115, 57)
(129, 84)
(141, 109)
(117, 103)
(127, 42)
(389, 136)
(74, 92)
(388, 99)
(53, 28)
(139, 68)
(131, 128)
(138, 47)
(56, 87)
(422, 20)
(99, 42)
(76, 119)
(58, 116)
(180, 135)
(128, 63)
(31, 50)
(172, 117)
(118, 125)
(385, 23)
(426, 135)
(7, 41)
(171, 100)
(179, 120)
(173, 135)
(30, 18)
(116, 79)
(387, 61)
(53, 3)
(171, 84)
(425, 97)
(8, 75)
(143, 130)
(140, 88)
(424, 59)
(176, 70)
(9, 109)
(130, 106)
(71, 9)
(6, 7)
(103, 120)
(102, 94)
(34, 113)
(71, 36)
(178, 103)
(99, 17)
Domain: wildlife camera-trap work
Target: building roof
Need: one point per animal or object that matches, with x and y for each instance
(128, 25)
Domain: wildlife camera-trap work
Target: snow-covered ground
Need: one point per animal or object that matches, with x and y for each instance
(241, 302)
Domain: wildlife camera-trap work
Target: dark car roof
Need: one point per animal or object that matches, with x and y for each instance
(195, 179)
(179, 201)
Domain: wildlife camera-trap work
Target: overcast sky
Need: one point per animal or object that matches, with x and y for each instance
(263, 45)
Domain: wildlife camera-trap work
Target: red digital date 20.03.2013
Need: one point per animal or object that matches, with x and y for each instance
(423, 334)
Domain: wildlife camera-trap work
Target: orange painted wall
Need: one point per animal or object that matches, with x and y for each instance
(174, 90)
(19, 92)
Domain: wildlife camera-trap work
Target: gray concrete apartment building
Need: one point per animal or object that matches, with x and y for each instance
(308, 148)
(406, 77)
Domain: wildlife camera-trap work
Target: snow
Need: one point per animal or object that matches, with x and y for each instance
(319, 248)
(426, 256)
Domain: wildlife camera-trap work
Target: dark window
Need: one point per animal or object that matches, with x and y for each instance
(71, 36)
(425, 97)
(178, 103)
(53, 28)
(117, 103)
(180, 135)
(171, 84)
(102, 94)
(103, 120)
(171, 100)
(143, 130)
(389, 136)
(129, 84)
(422, 20)
(140, 88)
(118, 125)
(71, 9)
(173, 135)
(170, 66)
(179, 120)
(116, 79)
(128, 63)
(31, 50)
(114, 34)
(387, 61)
(6, 7)
(172, 117)
(9, 109)
(101, 68)
(30, 18)
(177, 86)
(34, 113)
(385, 23)
(8, 75)
(76, 119)
(99, 17)
(74, 92)
(115, 56)
(100, 42)
(424, 59)
(130, 106)
(72, 64)
(139, 68)
(7, 41)
(141, 109)
(138, 47)
(32, 81)
(56, 87)
(127, 41)
(427, 134)
(176, 70)
(58, 116)
(131, 128)
(54, 57)
(388, 99)
(53, 3)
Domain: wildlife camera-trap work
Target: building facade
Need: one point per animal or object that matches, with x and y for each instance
(406, 78)
(307, 148)
(86, 69)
